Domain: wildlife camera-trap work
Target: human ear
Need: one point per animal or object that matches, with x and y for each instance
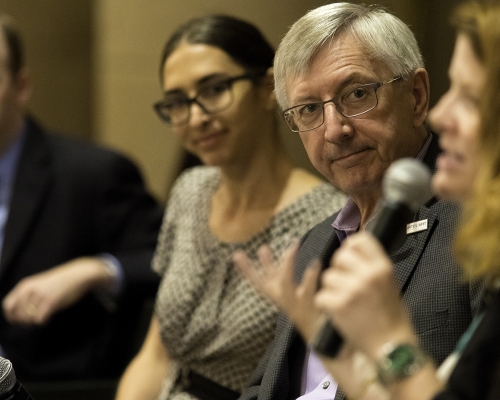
(268, 84)
(420, 92)
(23, 87)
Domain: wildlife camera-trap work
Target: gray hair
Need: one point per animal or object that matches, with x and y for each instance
(384, 36)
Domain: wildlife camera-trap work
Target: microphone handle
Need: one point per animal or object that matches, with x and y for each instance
(328, 341)
(389, 228)
(18, 392)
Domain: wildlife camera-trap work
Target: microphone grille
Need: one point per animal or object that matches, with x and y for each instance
(407, 180)
(7, 376)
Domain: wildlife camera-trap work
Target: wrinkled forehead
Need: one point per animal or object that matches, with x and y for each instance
(337, 63)
(335, 46)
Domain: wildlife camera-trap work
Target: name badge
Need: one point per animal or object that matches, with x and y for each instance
(417, 226)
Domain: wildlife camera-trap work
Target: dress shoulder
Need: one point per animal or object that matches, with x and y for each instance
(188, 199)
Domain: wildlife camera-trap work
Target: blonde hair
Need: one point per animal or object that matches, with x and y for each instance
(477, 245)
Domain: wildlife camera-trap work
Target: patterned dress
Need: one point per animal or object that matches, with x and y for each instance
(211, 319)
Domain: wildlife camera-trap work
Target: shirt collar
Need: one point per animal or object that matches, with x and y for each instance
(349, 218)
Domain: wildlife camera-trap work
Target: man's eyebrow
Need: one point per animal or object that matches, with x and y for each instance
(304, 99)
(199, 83)
(354, 78)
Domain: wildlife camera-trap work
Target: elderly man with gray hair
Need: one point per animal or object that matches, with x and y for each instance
(352, 84)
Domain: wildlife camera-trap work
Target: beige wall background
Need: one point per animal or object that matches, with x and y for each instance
(95, 65)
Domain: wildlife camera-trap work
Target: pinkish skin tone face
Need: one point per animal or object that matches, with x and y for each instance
(229, 136)
(354, 153)
(456, 118)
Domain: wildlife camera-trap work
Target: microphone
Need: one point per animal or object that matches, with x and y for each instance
(405, 187)
(10, 387)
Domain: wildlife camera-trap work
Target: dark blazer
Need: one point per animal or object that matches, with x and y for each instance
(477, 374)
(441, 306)
(73, 199)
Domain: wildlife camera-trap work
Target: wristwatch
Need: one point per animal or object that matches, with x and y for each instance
(399, 362)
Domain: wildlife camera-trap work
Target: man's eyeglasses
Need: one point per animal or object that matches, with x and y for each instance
(351, 103)
(217, 97)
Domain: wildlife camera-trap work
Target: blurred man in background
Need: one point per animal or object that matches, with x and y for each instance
(77, 233)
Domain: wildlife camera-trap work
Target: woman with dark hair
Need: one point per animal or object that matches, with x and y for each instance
(210, 326)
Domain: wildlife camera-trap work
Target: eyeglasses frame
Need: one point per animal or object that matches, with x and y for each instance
(229, 81)
(375, 85)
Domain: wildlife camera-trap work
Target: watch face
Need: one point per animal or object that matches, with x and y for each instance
(401, 358)
(400, 362)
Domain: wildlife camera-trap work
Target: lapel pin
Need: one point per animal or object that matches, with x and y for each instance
(416, 226)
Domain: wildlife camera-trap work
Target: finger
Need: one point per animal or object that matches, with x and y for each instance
(289, 253)
(305, 296)
(365, 245)
(44, 312)
(247, 268)
(318, 327)
(310, 281)
(7, 304)
(324, 299)
(266, 258)
(354, 256)
(13, 307)
(335, 287)
(30, 314)
(243, 263)
(326, 303)
(344, 263)
(22, 314)
(287, 267)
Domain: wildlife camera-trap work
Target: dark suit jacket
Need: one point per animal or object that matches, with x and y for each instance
(72, 199)
(477, 374)
(441, 306)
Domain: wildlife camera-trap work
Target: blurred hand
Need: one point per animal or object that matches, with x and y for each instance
(35, 299)
(276, 282)
(356, 374)
(360, 295)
